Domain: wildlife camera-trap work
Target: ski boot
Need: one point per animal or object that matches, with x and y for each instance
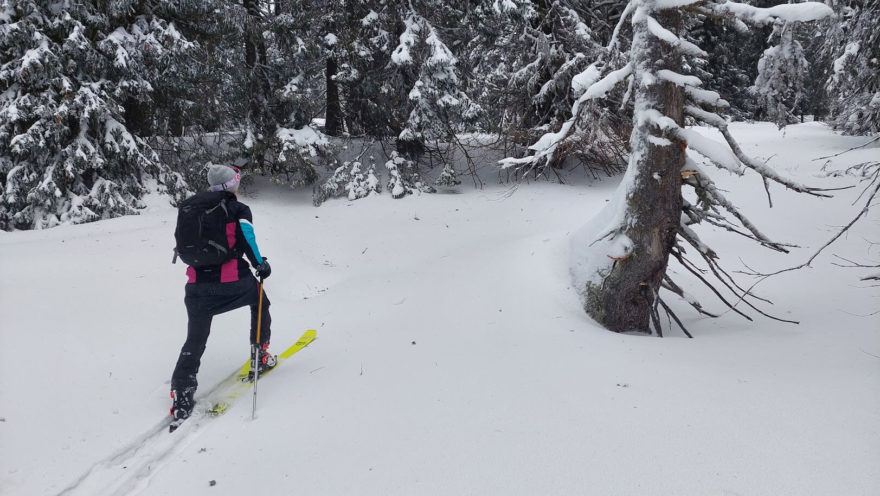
(266, 362)
(183, 403)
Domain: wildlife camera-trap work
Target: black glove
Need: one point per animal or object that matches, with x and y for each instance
(264, 269)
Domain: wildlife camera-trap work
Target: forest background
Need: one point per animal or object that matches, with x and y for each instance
(100, 101)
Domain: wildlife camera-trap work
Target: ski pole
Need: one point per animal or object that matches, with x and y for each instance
(256, 348)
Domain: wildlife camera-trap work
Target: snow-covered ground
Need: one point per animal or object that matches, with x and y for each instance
(453, 357)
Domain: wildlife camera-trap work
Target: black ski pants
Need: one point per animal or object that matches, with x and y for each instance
(204, 301)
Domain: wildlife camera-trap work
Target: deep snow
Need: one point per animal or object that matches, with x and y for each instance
(452, 355)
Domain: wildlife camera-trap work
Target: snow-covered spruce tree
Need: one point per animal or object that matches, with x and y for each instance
(852, 42)
(436, 105)
(279, 77)
(297, 48)
(730, 69)
(620, 257)
(152, 65)
(355, 47)
(191, 87)
(364, 42)
(782, 71)
(66, 154)
(380, 94)
(525, 56)
(196, 100)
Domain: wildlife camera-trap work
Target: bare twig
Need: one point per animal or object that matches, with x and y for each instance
(670, 313)
(670, 285)
(840, 233)
(696, 272)
(851, 149)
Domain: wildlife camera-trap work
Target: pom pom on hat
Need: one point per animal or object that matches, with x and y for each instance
(222, 177)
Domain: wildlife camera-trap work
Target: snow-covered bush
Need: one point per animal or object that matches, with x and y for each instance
(404, 178)
(350, 180)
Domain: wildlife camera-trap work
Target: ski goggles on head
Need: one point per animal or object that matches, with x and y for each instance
(230, 184)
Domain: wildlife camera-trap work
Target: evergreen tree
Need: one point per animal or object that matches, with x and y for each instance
(437, 105)
(527, 56)
(296, 48)
(66, 153)
(730, 69)
(852, 43)
(782, 71)
(363, 54)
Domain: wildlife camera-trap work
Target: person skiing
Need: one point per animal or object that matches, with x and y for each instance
(215, 289)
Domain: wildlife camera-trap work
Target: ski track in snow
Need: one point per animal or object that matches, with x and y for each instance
(129, 470)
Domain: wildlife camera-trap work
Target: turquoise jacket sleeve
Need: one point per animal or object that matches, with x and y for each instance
(248, 230)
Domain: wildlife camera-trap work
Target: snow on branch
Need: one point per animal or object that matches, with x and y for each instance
(706, 186)
(706, 97)
(730, 156)
(765, 171)
(710, 118)
(546, 146)
(798, 12)
(408, 39)
(673, 4)
(627, 11)
(716, 152)
(601, 88)
(655, 117)
(678, 79)
(668, 36)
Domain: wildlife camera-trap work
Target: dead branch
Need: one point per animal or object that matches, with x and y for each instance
(670, 313)
(876, 183)
(765, 171)
(670, 285)
(851, 149)
(696, 272)
(703, 184)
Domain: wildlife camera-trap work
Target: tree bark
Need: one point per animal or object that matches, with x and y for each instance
(333, 115)
(625, 299)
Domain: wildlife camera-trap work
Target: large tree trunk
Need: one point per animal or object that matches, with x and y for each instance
(333, 115)
(624, 300)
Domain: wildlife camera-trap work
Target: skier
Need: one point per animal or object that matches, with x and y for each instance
(212, 290)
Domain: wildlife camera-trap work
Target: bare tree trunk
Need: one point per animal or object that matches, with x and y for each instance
(625, 300)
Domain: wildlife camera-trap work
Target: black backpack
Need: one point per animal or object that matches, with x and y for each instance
(200, 234)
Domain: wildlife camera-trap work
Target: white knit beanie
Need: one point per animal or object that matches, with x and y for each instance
(221, 177)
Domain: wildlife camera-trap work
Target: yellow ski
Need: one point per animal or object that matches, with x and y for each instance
(242, 385)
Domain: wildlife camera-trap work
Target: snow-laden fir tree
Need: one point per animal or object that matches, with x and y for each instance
(437, 106)
(525, 56)
(730, 69)
(280, 79)
(852, 42)
(362, 53)
(782, 72)
(620, 257)
(68, 69)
